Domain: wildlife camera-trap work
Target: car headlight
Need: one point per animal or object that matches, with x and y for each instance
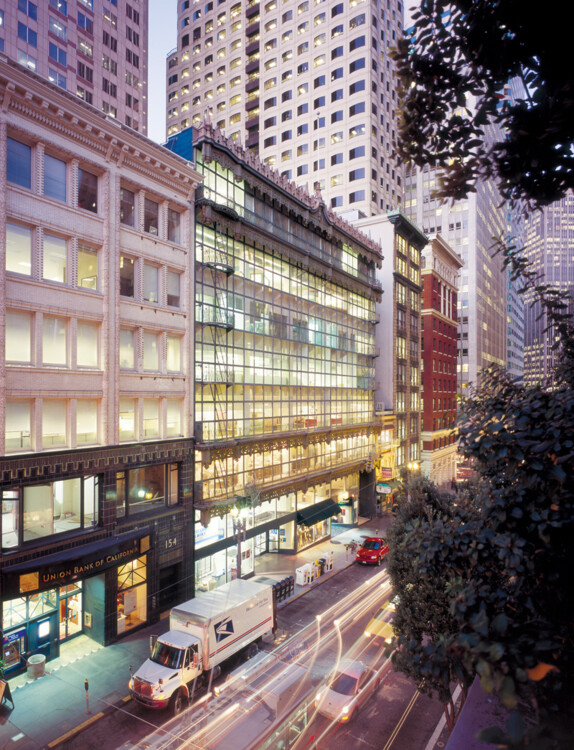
(367, 634)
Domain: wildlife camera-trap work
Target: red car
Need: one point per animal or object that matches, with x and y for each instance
(372, 551)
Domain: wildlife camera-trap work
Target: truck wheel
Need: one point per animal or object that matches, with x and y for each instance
(252, 651)
(177, 703)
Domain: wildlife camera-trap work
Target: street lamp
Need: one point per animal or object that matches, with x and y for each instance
(239, 528)
(412, 467)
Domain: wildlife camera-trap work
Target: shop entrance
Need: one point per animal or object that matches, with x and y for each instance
(71, 610)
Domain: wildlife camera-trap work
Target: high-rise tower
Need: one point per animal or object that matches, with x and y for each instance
(96, 49)
(309, 86)
(468, 226)
(549, 235)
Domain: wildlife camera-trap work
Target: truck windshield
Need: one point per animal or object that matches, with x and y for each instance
(167, 656)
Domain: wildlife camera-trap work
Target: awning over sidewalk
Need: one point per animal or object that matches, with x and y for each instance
(318, 512)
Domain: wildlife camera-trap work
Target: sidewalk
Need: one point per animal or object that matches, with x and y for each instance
(52, 708)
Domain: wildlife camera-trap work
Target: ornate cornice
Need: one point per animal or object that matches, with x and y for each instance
(36, 100)
(261, 175)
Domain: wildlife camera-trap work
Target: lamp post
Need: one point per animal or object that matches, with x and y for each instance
(239, 528)
(412, 466)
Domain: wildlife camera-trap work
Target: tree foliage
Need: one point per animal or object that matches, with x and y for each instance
(496, 570)
(454, 69)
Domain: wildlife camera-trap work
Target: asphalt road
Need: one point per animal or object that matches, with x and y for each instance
(396, 717)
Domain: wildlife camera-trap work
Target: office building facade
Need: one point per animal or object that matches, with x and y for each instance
(548, 235)
(284, 364)
(95, 49)
(439, 327)
(468, 226)
(96, 397)
(398, 369)
(308, 86)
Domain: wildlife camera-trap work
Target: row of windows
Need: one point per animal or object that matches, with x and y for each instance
(225, 477)
(38, 254)
(34, 512)
(44, 340)
(137, 210)
(19, 172)
(47, 424)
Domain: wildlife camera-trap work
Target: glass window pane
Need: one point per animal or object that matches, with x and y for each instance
(54, 344)
(54, 259)
(87, 267)
(18, 337)
(151, 283)
(18, 163)
(90, 501)
(17, 426)
(173, 417)
(151, 417)
(173, 354)
(127, 419)
(86, 421)
(87, 191)
(173, 219)
(87, 345)
(18, 249)
(14, 612)
(173, 288)
(53, 423)
(151, 352)
(127, 350)
(146, 488)
(127, 276)
(127, 207)
(10, 518)
(151, 214)
(54, 178)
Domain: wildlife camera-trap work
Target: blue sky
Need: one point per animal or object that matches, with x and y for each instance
(162, 39)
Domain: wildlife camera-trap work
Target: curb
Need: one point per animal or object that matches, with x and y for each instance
(71, 733)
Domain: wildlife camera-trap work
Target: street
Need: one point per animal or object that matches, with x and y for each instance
(396, 716)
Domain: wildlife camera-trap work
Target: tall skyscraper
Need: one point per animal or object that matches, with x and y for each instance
(549, 234)
(468, 226)
(309, 86)
(96, 49)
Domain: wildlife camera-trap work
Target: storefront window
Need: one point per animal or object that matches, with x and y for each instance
(132, 594)
(14, 612)
(39, 604)
(308, 535)
(70, 610)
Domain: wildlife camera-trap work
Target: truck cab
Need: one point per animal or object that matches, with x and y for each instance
(174, 662)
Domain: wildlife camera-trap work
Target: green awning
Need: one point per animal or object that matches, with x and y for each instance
(318, 512)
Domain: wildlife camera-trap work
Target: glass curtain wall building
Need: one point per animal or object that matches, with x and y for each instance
(284, 363)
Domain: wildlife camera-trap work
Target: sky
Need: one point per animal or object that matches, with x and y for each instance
(162, 39)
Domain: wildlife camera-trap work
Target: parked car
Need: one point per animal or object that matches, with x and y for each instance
(372, 550)
(381, 626)
(351, 686)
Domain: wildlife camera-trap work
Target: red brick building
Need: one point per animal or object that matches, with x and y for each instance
(439, 324)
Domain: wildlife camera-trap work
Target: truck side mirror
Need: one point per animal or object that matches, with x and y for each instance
(195, 658)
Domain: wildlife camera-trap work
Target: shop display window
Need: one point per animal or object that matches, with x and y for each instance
(132, 594)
